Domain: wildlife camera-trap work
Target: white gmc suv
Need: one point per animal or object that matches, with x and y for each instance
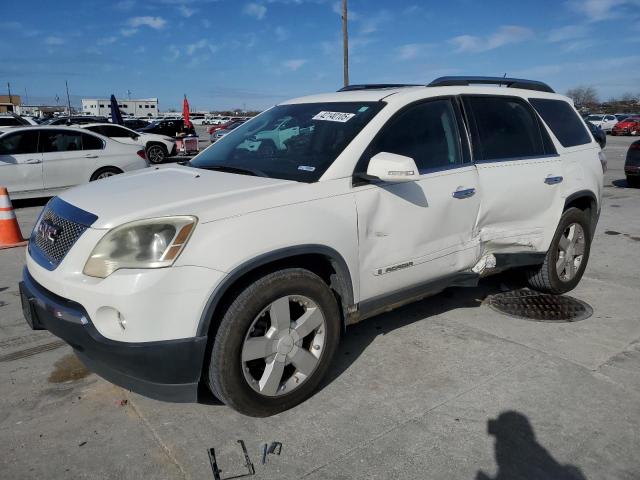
(241, 269)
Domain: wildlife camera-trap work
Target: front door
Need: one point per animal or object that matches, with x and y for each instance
(413, 233)
(65, 163)
(20, 162)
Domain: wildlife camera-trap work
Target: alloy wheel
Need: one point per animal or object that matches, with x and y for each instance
(571, 249)
(283, 345)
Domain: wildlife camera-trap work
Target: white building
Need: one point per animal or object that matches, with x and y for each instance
(137, 107)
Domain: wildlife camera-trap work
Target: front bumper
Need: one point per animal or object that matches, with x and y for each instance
(167, 370)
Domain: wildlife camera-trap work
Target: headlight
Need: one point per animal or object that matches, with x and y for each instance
(152, 243)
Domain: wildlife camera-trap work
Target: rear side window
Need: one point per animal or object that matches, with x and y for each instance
(89, 142)
(505, 128)
(563, 121)
(59, 141)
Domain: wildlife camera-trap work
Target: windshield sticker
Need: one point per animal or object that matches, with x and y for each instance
(334, 116)
(306, 168)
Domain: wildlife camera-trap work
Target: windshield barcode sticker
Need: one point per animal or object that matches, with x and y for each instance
(334, 116)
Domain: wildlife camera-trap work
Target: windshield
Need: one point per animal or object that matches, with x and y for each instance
(594, 118)
(292, 142)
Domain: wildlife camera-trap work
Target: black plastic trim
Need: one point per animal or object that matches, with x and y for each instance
(595, 216)
(339, 264)
(509, 82)
(166, 370)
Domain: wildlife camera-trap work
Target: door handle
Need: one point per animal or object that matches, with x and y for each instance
(88, 155)
(464, 192)
(551, 180)
(33, 161)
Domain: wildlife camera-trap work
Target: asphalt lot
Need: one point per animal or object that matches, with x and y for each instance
(411, 394)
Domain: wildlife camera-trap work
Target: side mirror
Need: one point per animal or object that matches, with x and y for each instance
(390, 167)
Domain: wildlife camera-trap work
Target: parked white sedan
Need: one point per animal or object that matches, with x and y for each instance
(157, 147)
(605, 122)
(43, 161)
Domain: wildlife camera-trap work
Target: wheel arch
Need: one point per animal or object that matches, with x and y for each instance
(153, 143)
(103, 169)
(586, 201)
(322, 260)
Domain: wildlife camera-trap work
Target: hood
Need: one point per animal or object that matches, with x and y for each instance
(178, 190)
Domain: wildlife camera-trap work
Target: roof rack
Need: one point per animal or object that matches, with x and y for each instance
(509, 82)
(377, 86)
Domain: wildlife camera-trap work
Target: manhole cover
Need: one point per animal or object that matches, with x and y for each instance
(541, 307)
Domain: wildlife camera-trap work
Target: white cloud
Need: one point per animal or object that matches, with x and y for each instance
(127, 32)
(412, 50)
(201, 44)
(255, 10)
(568, 32)
(174, 53)
(503, 36)
(372, 24)
(140, 49)
(153, 22)
(53, 41)
(125, 5)
(598, 10)
(206, 23)
(185, 11)
(294, 64)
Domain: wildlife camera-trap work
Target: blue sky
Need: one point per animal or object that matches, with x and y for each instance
(230, 53)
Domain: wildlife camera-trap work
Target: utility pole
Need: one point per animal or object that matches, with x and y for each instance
(68, 100)
(345, 44)
(26, 96)
(9, 89)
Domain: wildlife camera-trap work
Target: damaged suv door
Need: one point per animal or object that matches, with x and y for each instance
(415, 232)
(520, 174)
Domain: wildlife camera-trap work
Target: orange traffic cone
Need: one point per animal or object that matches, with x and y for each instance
(10, 235)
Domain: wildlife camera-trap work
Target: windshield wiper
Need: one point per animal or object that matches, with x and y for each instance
(238, 170)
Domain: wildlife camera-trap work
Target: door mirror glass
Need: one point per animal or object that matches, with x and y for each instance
(390, 167)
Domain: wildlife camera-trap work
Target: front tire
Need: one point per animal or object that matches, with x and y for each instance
(274, 343)
(567, 256)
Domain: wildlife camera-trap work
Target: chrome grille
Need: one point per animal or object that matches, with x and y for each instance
(55, 251)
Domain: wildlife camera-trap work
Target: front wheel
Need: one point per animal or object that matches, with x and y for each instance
(275, 343)
(567, 256)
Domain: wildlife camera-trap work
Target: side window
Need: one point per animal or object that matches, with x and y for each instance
(506, 128)
(427, 132)
(59, 141)
(19, 143)
(114, 132)
(563, 121)
(89, 142)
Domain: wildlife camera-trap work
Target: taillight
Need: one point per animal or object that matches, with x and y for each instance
(603, 160)
(141, 154)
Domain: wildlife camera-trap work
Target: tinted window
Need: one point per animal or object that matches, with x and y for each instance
(427, 132)
(89, 142)
(19, 143)
(114, 132)
(58, 141)
(562, 120)
(9, 121)
(506, 128)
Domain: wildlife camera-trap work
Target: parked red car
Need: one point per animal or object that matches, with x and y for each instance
(628, 126)
(215, 128)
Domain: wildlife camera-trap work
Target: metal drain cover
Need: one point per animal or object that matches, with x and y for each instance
(540, 307)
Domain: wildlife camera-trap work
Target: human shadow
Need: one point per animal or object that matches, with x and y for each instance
(621, 183)
(519, 455)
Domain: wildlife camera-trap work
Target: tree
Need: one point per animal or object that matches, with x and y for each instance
(583, 96)
(629, 97)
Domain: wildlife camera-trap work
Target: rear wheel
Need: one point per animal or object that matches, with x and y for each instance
(105, 172)
(567, 256)
(156, 153)
(274, 343)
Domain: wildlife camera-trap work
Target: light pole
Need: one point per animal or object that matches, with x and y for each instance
(345, 44)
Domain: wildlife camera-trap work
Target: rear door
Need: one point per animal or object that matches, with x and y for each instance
(20, 161)
(65, 162)
(519, 171)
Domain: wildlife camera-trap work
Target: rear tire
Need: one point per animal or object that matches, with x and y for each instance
(105, 173)
(294, 355)
(567, 256)
(156, 154)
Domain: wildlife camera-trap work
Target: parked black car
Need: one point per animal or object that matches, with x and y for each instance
(632, 165)
(74, 120)
(598, 133)
(135, 123)
(170, 128)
